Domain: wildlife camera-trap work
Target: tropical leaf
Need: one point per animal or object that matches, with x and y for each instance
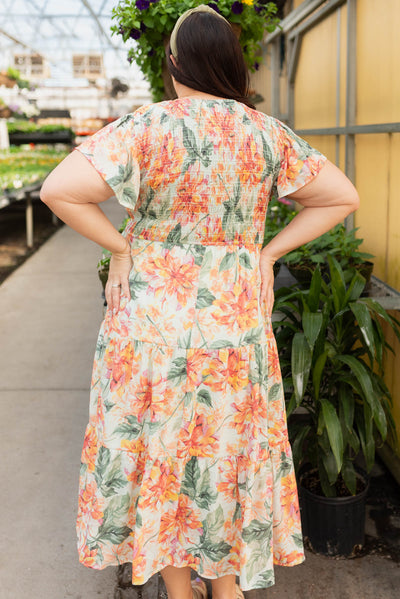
(179, 371)
(349, 475)
(334, 430)
(130, 428)
(245, 261)
(312, 323)
(363, 317)
(191, 476)
(301, 364)
(317, 373)
(314, 294)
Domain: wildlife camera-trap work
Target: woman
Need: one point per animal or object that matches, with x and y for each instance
(186, 462)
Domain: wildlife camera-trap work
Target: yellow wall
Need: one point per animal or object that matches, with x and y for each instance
(377, 156)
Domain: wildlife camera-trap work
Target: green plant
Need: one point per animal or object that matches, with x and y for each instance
(16, 75)
(103, 265)
(23, 126)
(338, 242)
(150, 22)
(280, 213)
(331, 346)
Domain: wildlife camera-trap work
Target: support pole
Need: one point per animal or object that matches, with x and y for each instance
(351, 101)
(29, 220)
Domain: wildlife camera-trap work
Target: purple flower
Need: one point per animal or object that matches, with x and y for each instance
(135, 34)
(214, 6)
(256, 66)
(130, 59)
(258, 8)
(143, 27)
(151, 52)
(121, 30)
(142, 4)
(237, 8)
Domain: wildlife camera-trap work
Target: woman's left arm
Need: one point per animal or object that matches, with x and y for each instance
(73, 191)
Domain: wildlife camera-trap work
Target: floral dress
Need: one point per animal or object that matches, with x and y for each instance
(186, 459)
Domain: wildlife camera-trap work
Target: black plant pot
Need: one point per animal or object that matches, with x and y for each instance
(333, 526)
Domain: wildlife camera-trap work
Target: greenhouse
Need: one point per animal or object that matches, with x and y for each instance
(182, 408)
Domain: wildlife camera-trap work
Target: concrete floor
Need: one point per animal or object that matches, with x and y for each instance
(51, 309)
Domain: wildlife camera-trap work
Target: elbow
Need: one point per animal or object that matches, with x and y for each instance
(47, 194)
(354, 202)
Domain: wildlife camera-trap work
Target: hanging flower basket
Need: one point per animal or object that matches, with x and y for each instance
(149, 23)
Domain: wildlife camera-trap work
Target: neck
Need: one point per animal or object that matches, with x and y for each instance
(182, 91)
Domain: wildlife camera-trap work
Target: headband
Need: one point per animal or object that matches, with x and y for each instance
(183, 17)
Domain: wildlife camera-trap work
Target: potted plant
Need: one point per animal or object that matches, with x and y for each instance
(103, 265)
(338, 243)
(149, 24)
(280, 213)
(331, 346)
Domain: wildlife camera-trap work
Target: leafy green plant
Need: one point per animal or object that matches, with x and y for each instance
(150, 22)
(103, 265)
(338, 242)
(24, 126)
(331, 346)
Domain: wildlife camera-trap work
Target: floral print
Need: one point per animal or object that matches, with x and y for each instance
(186, 459)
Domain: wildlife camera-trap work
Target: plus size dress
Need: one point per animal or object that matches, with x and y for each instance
(186, 459)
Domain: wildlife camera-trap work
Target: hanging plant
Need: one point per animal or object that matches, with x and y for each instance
(149, 24)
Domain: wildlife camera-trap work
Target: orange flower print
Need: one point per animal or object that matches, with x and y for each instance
(198, 437)
(189, 198)
(238, 306)
(194, 363)
(291, 166)
(182, 523)
(238, 377)
(162, 485)
(119, 364)
(89, 451)
(88, 556)
(250, 411)
(250, 164)
(229, 485)
(170, 277)
(89, 502)
(214, 375)
(134, 446)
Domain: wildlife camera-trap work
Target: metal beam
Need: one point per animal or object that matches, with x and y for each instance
(352, 129)
(316, 18)
(295, 17)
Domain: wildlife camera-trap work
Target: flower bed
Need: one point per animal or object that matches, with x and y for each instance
(19, 168)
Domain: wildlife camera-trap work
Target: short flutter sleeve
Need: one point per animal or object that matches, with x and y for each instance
(113, 152)
(299, 162)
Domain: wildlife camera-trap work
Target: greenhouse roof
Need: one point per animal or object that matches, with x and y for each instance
(59, 29)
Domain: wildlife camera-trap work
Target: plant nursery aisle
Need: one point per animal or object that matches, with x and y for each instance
(51, 309)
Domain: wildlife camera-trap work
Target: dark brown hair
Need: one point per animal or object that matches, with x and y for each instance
(210, 58)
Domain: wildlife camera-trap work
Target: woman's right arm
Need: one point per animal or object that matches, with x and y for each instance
(327, 200)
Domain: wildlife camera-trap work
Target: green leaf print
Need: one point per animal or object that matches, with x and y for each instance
(265, 579)
(109, 479)
(205, 496)
(192, 475)
(204, 298)
(118, 507)
(102, 463)
(215, 551)
(197, 487)
(269, 161)
(275, 392)
(130, 429)
(238, 512)
(227, 261)
(215, 522)
(137, 285)
(108, 405)
(174, 236)
(220, 344)
(285, 466)
(252, 336)
(204, 396)
(298, 539)
(258, 560)
(198, 251)
(179, 371)
(257, 531)
(114, 534)
(244, 260)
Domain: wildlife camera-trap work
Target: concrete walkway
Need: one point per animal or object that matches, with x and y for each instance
(51, 309)
(50, 312)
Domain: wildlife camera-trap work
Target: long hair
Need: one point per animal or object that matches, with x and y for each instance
(210, 58)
